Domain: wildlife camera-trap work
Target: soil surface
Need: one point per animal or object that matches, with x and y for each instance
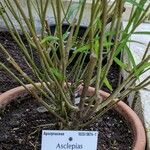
(21, 122)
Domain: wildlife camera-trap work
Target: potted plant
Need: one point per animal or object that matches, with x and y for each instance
(56, 87)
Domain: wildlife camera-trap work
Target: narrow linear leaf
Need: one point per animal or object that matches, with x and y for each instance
(120, 63)
(57, 73)
(82, 49)
(142, 32)
(48, 39)
(130, 56)
(145, 66)
(108, 85)
(134, 41)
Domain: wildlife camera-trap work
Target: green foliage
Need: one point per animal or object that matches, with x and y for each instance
(120, 63)
(106, 82)
(49, 39)
(131, 58)
(57, 73)
(82, 49)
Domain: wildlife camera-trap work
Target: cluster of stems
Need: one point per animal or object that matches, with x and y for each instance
(60, 50)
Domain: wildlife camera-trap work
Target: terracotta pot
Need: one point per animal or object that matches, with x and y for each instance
(121, 107)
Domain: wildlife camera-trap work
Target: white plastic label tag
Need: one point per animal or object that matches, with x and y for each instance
(69, 140)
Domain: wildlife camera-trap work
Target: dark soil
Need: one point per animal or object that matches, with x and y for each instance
(20, 122)
(6, 81)
(20, 127)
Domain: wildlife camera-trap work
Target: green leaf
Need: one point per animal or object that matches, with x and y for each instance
(48, 39)
(130, 56)
(142, 32)
(121, 46)
(120, 63)
(108, 33)
(107, 44)
(57, 73)
(138, 11)
(134, 41)
(131, 59)
(82, 49)
(145, 66)
(65, 35)
(108, 85)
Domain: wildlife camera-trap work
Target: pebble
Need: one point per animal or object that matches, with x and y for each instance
(41, 109)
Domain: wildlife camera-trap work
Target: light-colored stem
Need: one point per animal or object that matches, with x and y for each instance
(100, 53)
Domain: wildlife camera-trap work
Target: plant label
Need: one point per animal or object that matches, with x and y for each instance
(69, 140)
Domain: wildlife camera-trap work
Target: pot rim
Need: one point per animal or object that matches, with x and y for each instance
(129, 115)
